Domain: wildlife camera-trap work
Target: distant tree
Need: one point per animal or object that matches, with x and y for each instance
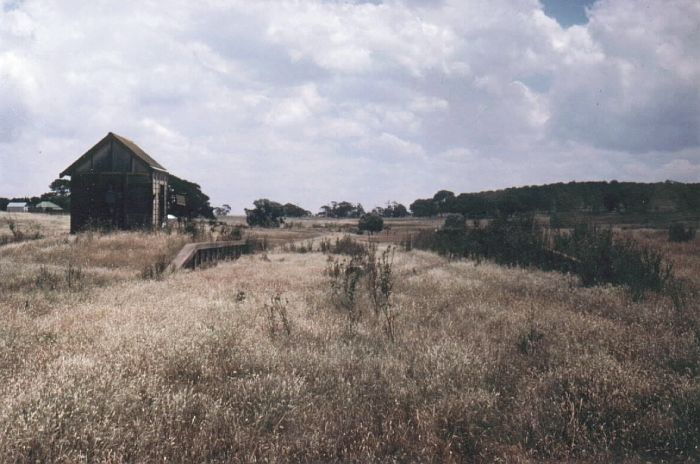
(222, 211)
(60, 187)
(392, 210)
(196, 202)
(59, 194)
(455, 223)
(3, 203)
(292, 210)
(423, 208)
(444, 201)
(343, 209)
(265, 214)
(371, 223)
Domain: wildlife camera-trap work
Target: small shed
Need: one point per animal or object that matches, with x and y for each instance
(17, 207)
(47, 207)
(118, 185)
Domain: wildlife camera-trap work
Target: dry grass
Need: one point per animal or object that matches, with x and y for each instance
(488, 363)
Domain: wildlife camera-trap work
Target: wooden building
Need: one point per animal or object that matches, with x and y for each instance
(116, 184)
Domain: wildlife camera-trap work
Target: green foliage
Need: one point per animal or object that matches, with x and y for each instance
(371, 223)
(292, 210)
(595, 197)
(265, 214)
(344, 246)
(602, 259)
(678, 232)
(392, 210)
(196, 202)
(222, 211)
(455, 223)
(593, 254)
(376, 271)
(343, 209)
(60, 193)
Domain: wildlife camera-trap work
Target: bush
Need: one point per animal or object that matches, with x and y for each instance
(347, 246)
(589, 252)
(265, 214)
(371, 223)
(678, 232)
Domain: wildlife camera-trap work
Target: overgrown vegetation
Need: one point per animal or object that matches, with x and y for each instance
(369, 270)
(256, 361)
(18, 233)
(594, 254)
(678, 232)
(371, 223)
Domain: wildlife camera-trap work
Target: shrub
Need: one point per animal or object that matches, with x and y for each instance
(347, 246)
(376, 273)
(265, 214)
(371, 223)
(344, 278)
(589, 252)
(277, 319)
(678, 232)
(156, 269)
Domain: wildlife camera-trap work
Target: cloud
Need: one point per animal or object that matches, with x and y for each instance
(319, 100)
(637, 90)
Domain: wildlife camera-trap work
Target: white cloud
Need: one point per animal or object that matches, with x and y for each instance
(316, 100)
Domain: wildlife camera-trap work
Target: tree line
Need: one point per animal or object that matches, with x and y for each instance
(594, 197)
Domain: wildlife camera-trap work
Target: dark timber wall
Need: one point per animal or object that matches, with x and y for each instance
(116, 185)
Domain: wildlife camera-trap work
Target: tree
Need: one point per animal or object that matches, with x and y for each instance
(423, 208)
(371, 223)
(344, 209)
(265, 214)
(455, 223)
(292, 210)
(59, 194)
(222, 211)
(196, 203)
(60, 187)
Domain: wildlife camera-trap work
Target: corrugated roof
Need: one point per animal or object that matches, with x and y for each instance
(128, 144)
(48, 204)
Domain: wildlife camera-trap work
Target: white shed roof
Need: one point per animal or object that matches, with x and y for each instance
(16, 204)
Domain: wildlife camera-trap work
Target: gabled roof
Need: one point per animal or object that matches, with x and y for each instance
(17, 204)
(48, 205)
(128, 144)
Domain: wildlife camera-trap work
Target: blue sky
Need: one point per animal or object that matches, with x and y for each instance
(567, 12)
(311, 101)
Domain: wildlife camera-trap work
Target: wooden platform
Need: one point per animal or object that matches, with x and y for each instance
(194, 255)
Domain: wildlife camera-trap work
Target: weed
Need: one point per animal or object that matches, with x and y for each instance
(276, 317)
(47, 280)
(344, 276)
(156, 269)
(594, 254)
(74, 277)
(348, 246)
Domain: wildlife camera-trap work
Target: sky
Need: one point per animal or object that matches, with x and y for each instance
(312, 101)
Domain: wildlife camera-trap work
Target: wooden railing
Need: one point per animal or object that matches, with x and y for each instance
(194, 255)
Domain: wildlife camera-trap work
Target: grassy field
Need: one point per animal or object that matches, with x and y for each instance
(255, 361)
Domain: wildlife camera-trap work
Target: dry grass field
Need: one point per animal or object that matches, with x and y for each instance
(254, 361)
